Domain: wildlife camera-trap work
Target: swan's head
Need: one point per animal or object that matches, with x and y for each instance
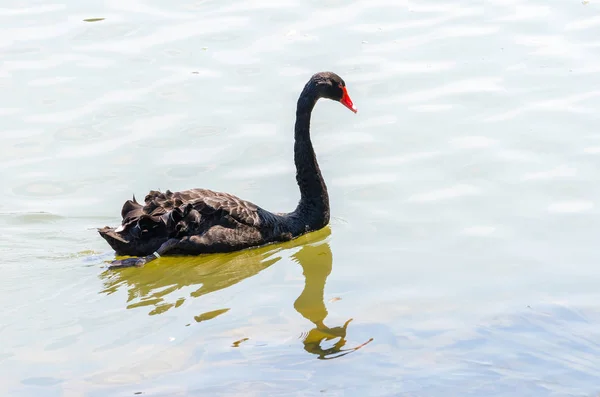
(330, 85)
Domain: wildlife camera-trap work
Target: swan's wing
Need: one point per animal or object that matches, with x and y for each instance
(241, 210)
(206, 202)
(188, 213)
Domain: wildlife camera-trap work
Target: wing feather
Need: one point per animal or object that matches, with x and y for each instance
(206, 202)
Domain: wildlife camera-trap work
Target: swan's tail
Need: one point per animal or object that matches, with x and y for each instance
(139, 233)
(144, 228)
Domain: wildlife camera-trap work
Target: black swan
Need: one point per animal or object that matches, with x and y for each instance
(200, 221)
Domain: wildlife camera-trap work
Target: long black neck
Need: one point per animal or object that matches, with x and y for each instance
(313, 207)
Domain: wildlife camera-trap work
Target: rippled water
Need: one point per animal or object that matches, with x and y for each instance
(462, 255)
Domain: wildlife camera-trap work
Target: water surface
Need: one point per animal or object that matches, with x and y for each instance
(462, 254)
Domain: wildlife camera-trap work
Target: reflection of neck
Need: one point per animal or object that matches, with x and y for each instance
(316, 265)
(316, 262)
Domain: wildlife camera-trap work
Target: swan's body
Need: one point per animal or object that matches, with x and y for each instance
(198, 221)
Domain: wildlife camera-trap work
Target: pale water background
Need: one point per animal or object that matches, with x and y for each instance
(465, 197)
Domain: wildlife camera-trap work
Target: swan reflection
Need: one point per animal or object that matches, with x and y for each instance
(317, 262)
(152, 285)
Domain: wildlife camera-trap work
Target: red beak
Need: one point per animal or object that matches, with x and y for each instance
(346, 101)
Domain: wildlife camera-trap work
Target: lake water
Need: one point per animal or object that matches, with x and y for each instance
(465, 198)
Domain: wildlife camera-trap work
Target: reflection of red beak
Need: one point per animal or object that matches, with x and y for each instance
(346, 101)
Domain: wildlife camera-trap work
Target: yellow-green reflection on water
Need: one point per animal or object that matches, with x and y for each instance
(317, 263)
(152, 285)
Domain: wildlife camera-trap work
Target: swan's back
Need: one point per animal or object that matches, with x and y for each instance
(218, 217)
(205, 202)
